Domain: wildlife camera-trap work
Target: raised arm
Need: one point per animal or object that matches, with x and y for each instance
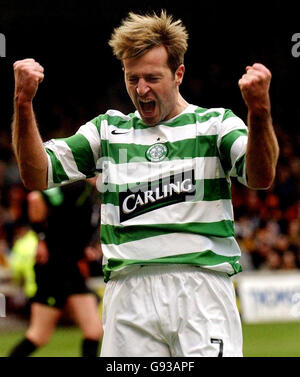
(26, 140)
(262, 149)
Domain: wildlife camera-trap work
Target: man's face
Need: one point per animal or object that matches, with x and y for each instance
(152, 86)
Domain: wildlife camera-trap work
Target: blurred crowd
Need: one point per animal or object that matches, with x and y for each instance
(267, 222)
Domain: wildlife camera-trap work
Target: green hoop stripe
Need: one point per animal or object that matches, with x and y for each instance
(118, 235)
(204, 258)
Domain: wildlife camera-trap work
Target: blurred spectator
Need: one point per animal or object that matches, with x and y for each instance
(14, 211)
(294, 233)
(4, 253)
(289, 261)
(273, 261)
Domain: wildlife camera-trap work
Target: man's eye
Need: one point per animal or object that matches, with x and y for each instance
(133, 80)
(153, 79)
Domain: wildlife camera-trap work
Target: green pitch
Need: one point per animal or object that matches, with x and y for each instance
(272, 339)
(269, 340)
(65, 342)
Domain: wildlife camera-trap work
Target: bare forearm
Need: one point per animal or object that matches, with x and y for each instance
(262, 150)
(28, 148)
(27, 144)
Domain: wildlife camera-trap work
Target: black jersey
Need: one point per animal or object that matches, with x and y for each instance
(69, 224)
(70, 227)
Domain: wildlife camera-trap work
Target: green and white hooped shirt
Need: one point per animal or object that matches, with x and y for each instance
(165, 189)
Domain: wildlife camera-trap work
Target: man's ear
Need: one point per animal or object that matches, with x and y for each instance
(179, 74)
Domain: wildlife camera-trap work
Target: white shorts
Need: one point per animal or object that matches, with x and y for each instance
(171, 310)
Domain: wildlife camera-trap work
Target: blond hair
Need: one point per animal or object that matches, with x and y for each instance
(137, 34)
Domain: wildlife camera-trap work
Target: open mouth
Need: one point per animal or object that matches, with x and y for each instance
(147, 106)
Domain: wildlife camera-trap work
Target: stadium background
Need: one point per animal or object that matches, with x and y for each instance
(82, 79)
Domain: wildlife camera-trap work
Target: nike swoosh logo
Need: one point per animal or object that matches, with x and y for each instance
(114, 132)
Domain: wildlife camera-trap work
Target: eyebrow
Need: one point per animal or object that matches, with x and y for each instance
(147, 75)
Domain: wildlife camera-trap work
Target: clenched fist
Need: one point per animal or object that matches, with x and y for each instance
(254, 85)
(28, 75)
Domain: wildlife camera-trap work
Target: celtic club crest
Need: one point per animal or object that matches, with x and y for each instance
(157, 152)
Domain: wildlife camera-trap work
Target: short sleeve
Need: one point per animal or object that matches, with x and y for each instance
(73, 158)
(232, 143)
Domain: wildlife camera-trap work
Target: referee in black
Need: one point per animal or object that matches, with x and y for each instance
(66, 220)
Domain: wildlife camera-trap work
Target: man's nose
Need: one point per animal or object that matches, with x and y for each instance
(142, 88)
